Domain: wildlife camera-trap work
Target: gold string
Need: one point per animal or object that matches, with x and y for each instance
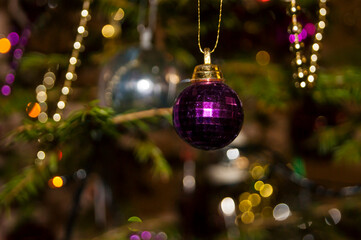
(199, 26)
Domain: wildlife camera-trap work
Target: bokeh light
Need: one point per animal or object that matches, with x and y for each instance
(134, 237)
(57, 182)
(56, 117)
(281, 212)
(18, 53)
(43, 117)
(244, 196)
(228, 206)
(10, 78)
(267, 212)
(245, 205)
(5, 90)
(146, 235)
(257, 172)
(119, 15)
(33, 109)
(334, 218)
(266, 190)
(242, 162)
(5, 45)
(263, 58)
(247, 217)
(13, 38)
(108, 31)
(255, 199)
(258, 185)
(60, 155)
(41, 155)
(310, 28)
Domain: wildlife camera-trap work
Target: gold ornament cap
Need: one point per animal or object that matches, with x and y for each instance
(207, 71)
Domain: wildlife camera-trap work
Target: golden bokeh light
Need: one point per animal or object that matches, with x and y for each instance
(258, 185)
(245, 205)
(33, 109)
(257, 172)
(267, 212)
(5, 45)
(57, 182)
(247, 217)
(244, 196)
(108, 31)
(255, 199)
(266, 190)
(263, 58)
(242, 162)
(119, 15)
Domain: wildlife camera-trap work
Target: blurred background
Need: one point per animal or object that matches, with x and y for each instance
(85, 154)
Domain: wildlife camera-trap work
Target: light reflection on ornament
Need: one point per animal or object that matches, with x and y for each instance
(144, 86)
(137, 80)
(232, 153)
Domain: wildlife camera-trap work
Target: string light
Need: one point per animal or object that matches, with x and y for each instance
(296, 29)
(73, 60)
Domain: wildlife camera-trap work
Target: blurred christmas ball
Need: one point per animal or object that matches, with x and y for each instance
(208, 115)
(138, 79)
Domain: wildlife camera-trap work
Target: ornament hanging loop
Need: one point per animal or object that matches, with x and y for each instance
(207, 56)
(218, 28)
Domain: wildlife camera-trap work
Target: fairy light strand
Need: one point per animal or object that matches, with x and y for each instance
(49, 81)
(304, 75)
(70, 75)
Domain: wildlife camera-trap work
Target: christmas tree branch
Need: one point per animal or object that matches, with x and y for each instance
(141, 115)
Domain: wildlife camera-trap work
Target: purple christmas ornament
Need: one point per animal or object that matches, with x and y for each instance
(208, 114)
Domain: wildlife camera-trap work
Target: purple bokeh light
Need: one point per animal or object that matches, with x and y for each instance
(310, 28)
(134, 237)
(301, 36)
(18, 53)
(10, 78)
(146, 235)
(13, 38)
(6, 90)
(208, 115)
